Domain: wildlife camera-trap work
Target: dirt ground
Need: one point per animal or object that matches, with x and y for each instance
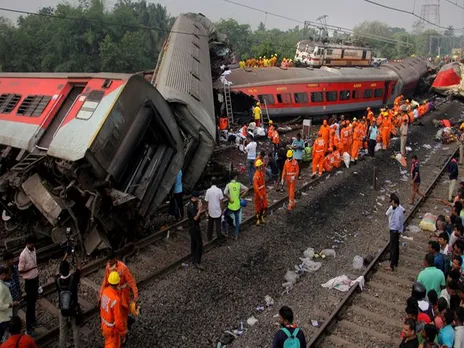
(192, 308)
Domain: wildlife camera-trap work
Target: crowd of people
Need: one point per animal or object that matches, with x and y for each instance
(114, 299)
(434, 314)
(264, 62)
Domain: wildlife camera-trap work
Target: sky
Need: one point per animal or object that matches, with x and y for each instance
(342, 13)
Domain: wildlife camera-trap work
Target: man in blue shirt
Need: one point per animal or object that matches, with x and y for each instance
(446, 335)
(13, 279)
(298, 147)
(439, 258)
(372, 139)
(395, 215)
(179, 197)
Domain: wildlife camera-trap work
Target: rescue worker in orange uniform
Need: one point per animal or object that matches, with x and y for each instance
(325, 133)
(386, 133)
(344, 139)
(113, 324)
(350, 136)
(370, 114)
(329, 162)
(259, 189)
(333, 139)
(270, 130)
(276, 140)
(318, 154)
(290, 172)
(358, 136)
(398, 100)
(337, 159)
(126, 284)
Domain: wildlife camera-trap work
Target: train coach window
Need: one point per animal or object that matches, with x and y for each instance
(33, 105)
(345, 95)
(329, 52)
(356, 94)
(8, 102)
(331, 96)
(301, 98)
(317, 97)
(90, 105)
(378, 93)
(368, 93)
(284, 98)
(266, 99)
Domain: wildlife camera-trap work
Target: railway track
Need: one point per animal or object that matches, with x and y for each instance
(171, 245)
(374, 316)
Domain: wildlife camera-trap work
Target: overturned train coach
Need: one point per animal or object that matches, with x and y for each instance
(449, 80)
(96, 154)
(311, 92)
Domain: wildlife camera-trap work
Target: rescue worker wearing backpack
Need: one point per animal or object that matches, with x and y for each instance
(113, 323)
(289, 335)
(126, 285)
(67, 285)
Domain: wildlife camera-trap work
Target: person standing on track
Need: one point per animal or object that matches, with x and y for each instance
(260, 195)
(6, 302)
(13, 279)
(289, 174)
(179, 197)
(270, 130)
(214, 198)
(298, 148)
(234, 191)
(318, 154)
(416, 180)
(403, 136)
(288, 332)
(280, 162)
(251, 150)
(276, 139)
(126, 284)
(27, 268)
(395, 215)
(113, 322)
(194, 209)
(453, 172)
(373, 132)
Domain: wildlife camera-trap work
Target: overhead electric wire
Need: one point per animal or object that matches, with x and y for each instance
(412, 13)
(317, 25)
(455, 4)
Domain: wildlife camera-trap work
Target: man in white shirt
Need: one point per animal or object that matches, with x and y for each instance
(214, 198)
(251, 149)
(403, 137)
(395, 215)
(27, 268)
(459, 329)
(6, 302)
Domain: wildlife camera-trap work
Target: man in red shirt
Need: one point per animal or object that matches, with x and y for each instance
(18, 340)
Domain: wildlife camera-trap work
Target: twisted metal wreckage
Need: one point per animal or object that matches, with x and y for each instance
(98, 153)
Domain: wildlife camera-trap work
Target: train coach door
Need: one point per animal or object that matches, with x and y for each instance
(388, 91)
(68, 103)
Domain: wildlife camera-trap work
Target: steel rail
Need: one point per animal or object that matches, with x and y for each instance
(324, 330)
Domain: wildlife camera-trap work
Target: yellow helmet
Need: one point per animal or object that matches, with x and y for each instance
(113, 278)
(289, 154)
(134, 309)
(461, 126)
(258, 163)
(271, 122)
(355, 119)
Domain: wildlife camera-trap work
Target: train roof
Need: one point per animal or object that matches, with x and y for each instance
(66, 75)
(277, 75)
(330, 45)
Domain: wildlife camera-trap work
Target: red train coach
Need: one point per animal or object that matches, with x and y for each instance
(307, 91)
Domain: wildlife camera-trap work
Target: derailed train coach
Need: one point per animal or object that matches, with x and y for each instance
(92, 156)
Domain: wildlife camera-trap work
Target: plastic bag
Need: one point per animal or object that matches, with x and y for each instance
(414, 229)
(428, 222)
(291, 277)
(346, 159)
(378, 147)
(309, 253)
(311, 266)
(401, 159)
(328, 252)
(358, 262)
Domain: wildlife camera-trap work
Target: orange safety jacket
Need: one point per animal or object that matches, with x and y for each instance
(329, 162)
(345, 135)
(337, 159)
(291, 170)
(112, 321)
(270, 131)
(319, 147)
(127, 282)
(333, 140)
(359, 133)
(275, 137)
(259, 186)
(370, 116)
(325, 131)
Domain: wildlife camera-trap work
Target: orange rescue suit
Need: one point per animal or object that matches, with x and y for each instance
(270, 131)
(289, 174)
(337, 159)
(325, 131)
(370, 116)
(329, 162)
(318, 155)
(345, 135)
(113, 324)
(386, 131)
(126, 284)
(259, 189)
(333, 140)
(275, 138)
(357, 142)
